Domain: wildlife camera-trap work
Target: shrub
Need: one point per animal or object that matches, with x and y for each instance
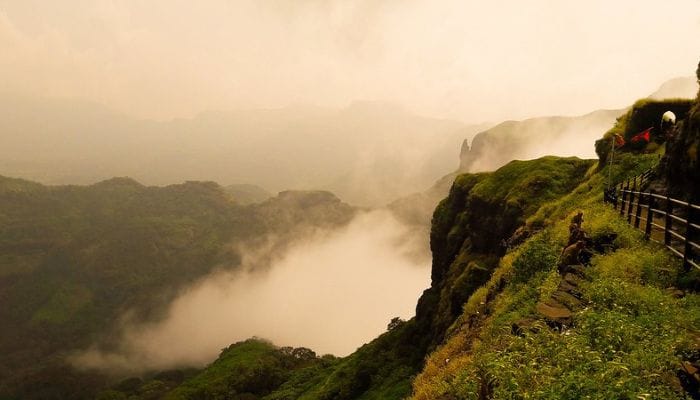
(538, 254)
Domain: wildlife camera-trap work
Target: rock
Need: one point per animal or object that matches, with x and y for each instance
(689, 376)
(675, 292)
(553, 312)
(690, 368)
(578, 270)
(524, 325)
(568, 287)
(572, 279)
(567, 299)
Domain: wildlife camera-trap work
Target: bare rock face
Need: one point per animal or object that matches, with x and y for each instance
(554, 311)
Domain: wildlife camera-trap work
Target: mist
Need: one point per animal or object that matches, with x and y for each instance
(331, 292)
(534, 138)
(466, 60)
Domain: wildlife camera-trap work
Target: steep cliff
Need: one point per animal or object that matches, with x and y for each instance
(629, 333)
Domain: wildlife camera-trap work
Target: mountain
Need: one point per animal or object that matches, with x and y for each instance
(556, 135)
(367, 153)
(533, 138)
(502, 318)
(685, 87)
(480, 210)
(74, 259)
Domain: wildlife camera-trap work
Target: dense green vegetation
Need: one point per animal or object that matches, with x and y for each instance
(628, 341)
(479, 211)
(74, 258)
(633, 331)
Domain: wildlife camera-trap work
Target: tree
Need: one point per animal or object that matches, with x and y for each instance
(394, 323)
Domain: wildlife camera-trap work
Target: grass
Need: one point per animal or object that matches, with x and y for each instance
(627, 342)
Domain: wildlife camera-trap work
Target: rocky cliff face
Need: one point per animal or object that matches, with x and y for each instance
(470, 226)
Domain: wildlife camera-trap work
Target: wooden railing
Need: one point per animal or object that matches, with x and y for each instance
(667, 221)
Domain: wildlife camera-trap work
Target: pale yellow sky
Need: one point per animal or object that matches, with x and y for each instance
(470, 60)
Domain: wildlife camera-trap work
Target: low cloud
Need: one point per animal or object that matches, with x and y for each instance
(331, 292)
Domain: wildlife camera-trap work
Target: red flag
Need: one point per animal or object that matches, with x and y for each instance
(645, 134)
(619, 141)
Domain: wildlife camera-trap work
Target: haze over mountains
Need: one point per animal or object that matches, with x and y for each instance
(560, 135)
(367, 153)
(178, 178)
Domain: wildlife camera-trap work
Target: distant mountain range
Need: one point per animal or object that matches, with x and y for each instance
(367, 153)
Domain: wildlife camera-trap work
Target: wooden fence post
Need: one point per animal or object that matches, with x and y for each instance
(638, 214)
(624, 196)
(669, 221)
(631, 201)
(688, 228)
(650, 215)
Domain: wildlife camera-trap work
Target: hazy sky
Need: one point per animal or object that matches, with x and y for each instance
(470, 60)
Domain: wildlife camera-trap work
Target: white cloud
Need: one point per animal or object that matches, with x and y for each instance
(332, 293)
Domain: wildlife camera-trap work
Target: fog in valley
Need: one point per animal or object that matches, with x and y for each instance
(331, 292)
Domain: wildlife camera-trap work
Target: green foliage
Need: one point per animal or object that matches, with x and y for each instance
(73, 258)
(381, 369)
(63, 305)
(645, 113)
(253, 369)
(528, 184)
(626, 341)
(537, 255)
(245, 369)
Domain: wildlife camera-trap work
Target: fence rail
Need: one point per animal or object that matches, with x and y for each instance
(670, 222)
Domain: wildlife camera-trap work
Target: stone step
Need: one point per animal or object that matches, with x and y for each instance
(553, 312)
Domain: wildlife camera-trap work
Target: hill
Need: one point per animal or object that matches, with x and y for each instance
(367, 153)
(75, 258)
(555, 135)
(533, 138)
(473, 219)
(685, 87)
(501, 319)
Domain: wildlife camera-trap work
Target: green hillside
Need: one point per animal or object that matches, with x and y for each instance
(75, 258)
(500, 320)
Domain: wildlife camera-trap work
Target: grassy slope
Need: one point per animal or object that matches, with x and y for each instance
(73, 258)
(384, 368)
(626, 343)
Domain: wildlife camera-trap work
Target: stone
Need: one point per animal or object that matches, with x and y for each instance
(553, 312)
(567, 299)
(572, 279)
